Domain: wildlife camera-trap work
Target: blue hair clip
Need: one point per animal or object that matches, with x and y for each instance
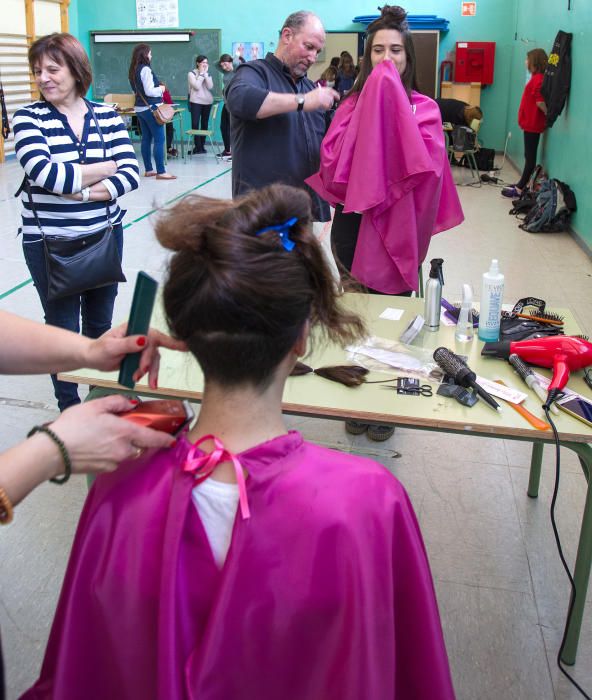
(283, 230)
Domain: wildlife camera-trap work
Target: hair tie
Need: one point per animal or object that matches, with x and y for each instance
(283, 230)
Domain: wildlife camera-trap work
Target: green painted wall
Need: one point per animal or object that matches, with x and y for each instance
(566, 150)
(260, 20)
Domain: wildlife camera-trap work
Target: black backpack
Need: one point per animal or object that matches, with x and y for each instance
(523, 204)
(552, 210)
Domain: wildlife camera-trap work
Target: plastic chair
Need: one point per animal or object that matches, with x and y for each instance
(467, 149)
(208, 133)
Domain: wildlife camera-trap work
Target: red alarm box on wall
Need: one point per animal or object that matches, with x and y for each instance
(474, 62)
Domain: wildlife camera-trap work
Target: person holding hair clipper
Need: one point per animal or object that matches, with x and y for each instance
(87, 439)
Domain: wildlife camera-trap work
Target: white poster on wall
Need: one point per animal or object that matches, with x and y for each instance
(157, 14)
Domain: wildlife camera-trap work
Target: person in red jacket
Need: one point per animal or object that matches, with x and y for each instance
(170, 129)
(531, 118)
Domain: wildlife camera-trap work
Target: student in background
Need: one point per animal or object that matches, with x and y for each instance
(458, 112)
(328, 78)
(170, 129)
(227, 66)
(148, 90)
(200, 99)
(346, 73)
(532, 118)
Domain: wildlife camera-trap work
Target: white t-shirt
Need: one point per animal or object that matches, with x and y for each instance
(216, 503)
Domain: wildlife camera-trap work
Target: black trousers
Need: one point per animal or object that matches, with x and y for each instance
(531, 144)
(344, 238)
(170, 134)
(225, 128)
(200, 115)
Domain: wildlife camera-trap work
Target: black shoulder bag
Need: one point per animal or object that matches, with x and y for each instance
(77, 264)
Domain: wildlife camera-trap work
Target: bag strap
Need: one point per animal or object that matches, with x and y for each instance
(139, 94)
(26, 185)
(100, 132)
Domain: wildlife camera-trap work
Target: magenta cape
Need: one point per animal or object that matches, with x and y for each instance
(326, 593)
(389, 163)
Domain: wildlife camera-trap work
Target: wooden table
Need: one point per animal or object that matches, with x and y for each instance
(180, 377)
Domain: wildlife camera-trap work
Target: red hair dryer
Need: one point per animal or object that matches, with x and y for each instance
(563, 353)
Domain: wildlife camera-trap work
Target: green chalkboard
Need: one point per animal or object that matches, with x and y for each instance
(171, 61)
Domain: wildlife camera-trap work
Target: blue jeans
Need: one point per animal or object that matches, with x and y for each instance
(96, 306)
(151, 131)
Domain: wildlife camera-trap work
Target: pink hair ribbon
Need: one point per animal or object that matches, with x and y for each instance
(201, 466)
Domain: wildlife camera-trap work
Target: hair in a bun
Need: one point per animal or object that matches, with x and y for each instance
(235, 294)
(391, 17)
(395, 14)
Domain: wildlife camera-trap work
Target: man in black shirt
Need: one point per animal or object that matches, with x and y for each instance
(277, 114)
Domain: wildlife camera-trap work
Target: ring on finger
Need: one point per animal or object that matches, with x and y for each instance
(137, 451)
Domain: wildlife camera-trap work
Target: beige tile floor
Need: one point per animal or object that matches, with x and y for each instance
(500, 586)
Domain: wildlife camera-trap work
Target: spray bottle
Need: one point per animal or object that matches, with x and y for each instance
(491, 303)
(464, 325)
(433, 295)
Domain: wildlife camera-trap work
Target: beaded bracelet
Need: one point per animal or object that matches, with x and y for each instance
(6, 513)
(63, 451)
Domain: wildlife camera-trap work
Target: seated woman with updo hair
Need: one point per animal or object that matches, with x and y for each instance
(245, 563)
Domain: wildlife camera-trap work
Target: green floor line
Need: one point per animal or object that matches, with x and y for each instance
(15, 289)
(183, 194)
(135, 221)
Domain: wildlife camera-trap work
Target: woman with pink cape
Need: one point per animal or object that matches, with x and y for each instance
(384, 166)
(245, 563)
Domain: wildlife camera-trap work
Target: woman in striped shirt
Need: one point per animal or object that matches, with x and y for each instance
(73, 181)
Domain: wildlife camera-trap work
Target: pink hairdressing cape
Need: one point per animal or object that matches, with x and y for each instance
(326, 592)
(386, 158)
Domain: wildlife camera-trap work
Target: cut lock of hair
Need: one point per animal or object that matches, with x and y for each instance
(240, 300)
(348, 375)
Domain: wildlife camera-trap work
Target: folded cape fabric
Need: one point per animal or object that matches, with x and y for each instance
(325, 594)
(385, 157)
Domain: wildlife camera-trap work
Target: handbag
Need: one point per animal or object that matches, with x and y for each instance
(75, 264)
(163, 114)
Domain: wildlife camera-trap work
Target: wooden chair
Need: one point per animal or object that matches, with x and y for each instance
(208, 133)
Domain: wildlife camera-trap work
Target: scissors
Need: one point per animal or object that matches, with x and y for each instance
(411, 387)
